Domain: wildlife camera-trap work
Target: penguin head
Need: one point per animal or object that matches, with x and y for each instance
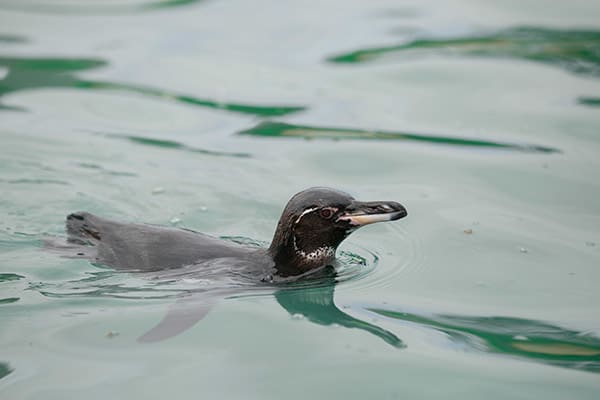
(316, 220)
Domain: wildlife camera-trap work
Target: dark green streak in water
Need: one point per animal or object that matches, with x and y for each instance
(11, 108)
(169, 3)
(9, 300)
(5, 369)
(38, 73)
(11, 38)
(237, 108)
(533, 340)
(10, 277)
(589, 101)
(170, 144)
(279, 129)
(46, 7)
(35, 181)
(577, 51)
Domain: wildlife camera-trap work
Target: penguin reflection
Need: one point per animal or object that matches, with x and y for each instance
(313, 301)
(316, 305)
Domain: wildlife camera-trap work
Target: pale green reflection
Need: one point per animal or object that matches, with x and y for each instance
(530, 339)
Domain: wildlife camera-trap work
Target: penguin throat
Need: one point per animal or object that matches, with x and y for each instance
(316, 257)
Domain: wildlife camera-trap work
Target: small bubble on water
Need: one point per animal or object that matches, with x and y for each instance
(158, 190)
(112, 334)
(297, 316)
(523, 250)
(175, 220)
(203, 208)
(520, 337)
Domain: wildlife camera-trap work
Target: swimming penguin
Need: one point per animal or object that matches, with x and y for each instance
(313, 224)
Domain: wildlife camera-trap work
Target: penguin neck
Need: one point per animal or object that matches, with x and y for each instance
(290, 259)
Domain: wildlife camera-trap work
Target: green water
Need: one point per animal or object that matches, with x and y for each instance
(481, 117)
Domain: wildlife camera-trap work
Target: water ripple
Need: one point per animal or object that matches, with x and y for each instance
(94, 7)
(9, 300)
(524, 338)
(383, 269)
(283, 130)
(171, 144)
(6, 39)
(352, 265)
(5, 369)
(38, 73)
(7, 277)
(35, 181)
(577, 51)
(589, 101)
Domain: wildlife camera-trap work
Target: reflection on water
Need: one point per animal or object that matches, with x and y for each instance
(316, 305)
(6, 39)
(35, 181)
(196, 292)
(114, 284)
(577, 51)
(530, 339)
(589, 101)
(280, 129)
(38, 73)
(91, 7)
(5, 369)
(173, 145)
(313, 301)
(10, 277)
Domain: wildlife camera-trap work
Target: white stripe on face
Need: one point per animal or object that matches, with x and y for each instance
(308, 210)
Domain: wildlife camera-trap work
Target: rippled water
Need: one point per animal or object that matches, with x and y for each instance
(481, 117)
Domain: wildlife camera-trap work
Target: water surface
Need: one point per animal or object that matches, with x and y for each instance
(480, 117)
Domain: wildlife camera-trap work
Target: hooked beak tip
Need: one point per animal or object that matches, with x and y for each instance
(372, 212)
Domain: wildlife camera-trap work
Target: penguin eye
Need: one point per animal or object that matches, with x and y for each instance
(326, 213)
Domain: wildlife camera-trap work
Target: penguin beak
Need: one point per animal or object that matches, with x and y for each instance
(360, 213)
